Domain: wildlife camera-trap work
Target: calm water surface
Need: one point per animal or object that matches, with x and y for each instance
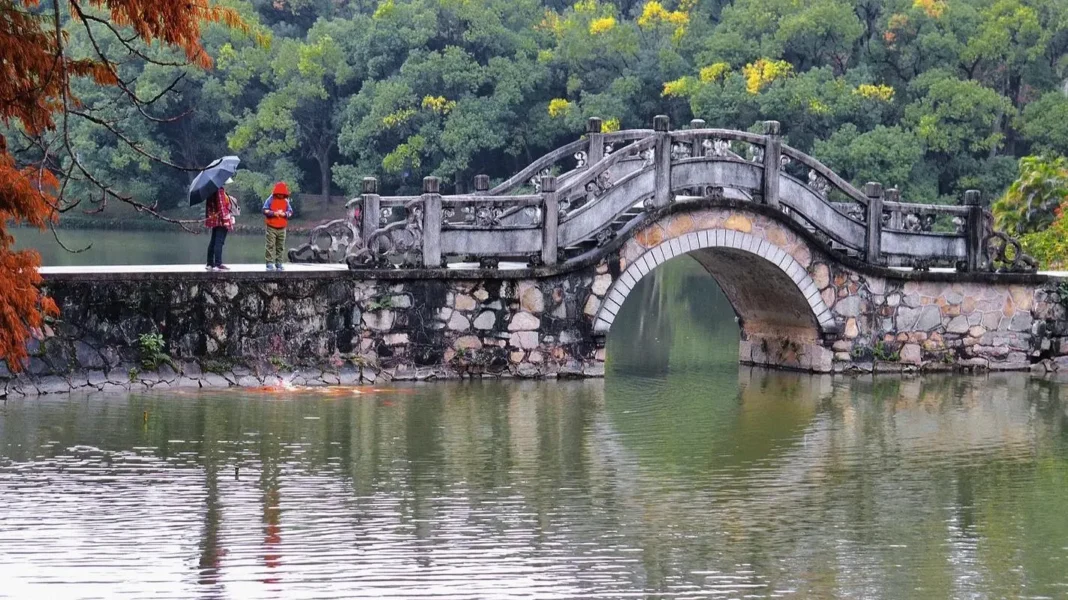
(680, 475)
(174, 247)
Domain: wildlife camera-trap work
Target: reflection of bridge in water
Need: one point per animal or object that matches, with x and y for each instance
(550, 490)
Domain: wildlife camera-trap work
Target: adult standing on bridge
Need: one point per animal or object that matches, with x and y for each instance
(219, 218)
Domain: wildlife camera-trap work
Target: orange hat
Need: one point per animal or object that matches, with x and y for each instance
(281, 189)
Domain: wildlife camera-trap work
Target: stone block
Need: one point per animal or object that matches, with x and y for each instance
(958, 324)
(848, 306)
(464, 302)
(592, 304)
(214, 380)
(601, 283)
(486, 320)
(379, 320)
(87, 356)
(524, 339)
(911, 354)
(248, 381)
(395, 339)
(52, 385)
(458, 322)
(1021, 321)
(524, 321)
(851, 329)
(532, 300)
(821, 275)
(467, 342)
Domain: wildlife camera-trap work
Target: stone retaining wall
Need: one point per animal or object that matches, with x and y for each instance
(323, 328)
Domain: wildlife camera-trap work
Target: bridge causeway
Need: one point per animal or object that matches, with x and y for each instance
(525, 278)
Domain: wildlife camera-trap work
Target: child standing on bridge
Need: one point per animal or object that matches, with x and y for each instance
(277, 211)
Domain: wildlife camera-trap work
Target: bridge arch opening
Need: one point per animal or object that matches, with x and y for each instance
(780, 313)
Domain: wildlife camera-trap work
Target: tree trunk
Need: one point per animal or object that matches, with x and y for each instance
(323, 158)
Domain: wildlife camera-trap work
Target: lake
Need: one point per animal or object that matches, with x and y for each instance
(680, 475)
(174, 247)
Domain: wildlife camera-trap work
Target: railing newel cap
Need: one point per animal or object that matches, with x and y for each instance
(431, 185)
(369, 186)
(697, 124)
(482, 183)
(548, 183)
(873, 189)
(661, 123)
(772, 128)
(593, 125)
(973, 198)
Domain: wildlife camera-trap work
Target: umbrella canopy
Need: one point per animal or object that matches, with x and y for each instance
(208, 181)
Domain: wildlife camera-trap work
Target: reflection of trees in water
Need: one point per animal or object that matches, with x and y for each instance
(935, 486)
(675, 316)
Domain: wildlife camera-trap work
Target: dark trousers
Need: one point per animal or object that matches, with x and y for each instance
(215, 246)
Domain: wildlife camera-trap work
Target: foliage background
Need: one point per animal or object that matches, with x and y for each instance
(933, 96)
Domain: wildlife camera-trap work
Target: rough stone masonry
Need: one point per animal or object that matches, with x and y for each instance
(799, 307)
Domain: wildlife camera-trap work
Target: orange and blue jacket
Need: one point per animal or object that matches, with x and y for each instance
(277, 203)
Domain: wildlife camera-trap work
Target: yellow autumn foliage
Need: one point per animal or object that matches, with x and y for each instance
(875, 92)
(713, 72)
(602, 25)
(438, 104)
(764, 71)
(559, 107)
(654, 13)
(398, 117)
(933, 8)
(610, 125)
(682, 86)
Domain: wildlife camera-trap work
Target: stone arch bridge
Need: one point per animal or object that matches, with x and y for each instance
(526, 278)
(822, 276)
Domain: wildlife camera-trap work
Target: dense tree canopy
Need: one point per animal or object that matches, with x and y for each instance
(933, 96)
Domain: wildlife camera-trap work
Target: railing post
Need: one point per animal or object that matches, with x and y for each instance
(431, 222)
(550, 206)
(897, 218)
(662, 166)
(482, 184)
(370, 212)
(697, 146)
(974, 230)
(772, 162)
(873, 240)
(595, 152)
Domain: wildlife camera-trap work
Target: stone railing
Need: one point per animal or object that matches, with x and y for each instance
(578, 197)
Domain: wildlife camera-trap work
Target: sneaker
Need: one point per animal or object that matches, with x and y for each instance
(270, 266)
(222, 268)
(209, 267)
(278, 267)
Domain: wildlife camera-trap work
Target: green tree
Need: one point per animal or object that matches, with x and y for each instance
(300, 114)
(892, 156)
(1029, 204)
(1044, 123)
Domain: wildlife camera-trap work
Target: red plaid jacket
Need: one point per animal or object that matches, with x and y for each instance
(217, 211)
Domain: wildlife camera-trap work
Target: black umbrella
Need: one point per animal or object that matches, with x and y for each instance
(208, 181)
